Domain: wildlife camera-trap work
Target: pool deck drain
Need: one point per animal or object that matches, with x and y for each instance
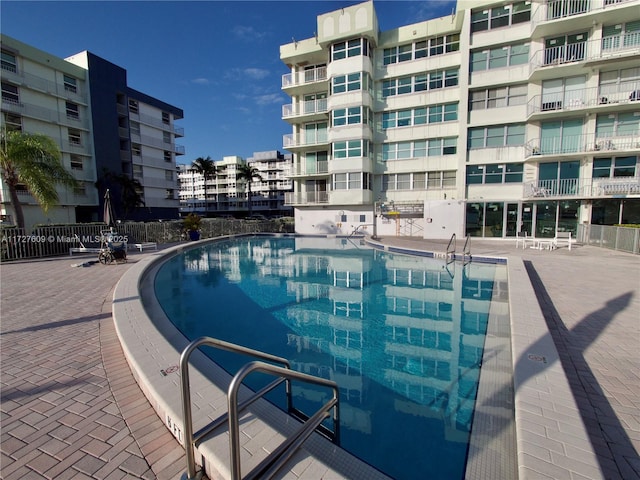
(62, 407)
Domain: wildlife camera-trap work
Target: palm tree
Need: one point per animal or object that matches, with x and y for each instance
(127, 191)
(35, 161)
(207, 168)
(247, 173)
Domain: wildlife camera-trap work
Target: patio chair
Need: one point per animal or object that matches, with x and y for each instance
(522, 238)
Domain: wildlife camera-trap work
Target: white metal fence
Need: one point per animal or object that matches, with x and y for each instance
(624, 239)
(49, 241)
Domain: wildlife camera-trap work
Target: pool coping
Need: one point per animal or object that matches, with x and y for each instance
(549, 429)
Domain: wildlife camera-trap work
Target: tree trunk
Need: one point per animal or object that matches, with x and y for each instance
(17, 206)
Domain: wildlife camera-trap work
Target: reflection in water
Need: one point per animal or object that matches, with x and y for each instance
(402, 336)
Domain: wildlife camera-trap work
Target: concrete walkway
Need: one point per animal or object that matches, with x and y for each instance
(71, 409)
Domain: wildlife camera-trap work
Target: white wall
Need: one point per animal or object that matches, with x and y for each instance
(444, 218)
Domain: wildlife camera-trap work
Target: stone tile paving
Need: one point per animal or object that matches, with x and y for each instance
(70, 406)
(71, 409)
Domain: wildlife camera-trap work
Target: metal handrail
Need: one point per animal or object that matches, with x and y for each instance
(284, 374)
(451, 251)
(187, 415)
(278, 457)
(466, 250)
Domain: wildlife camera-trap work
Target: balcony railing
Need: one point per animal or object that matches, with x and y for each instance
(317, 168)
(157, 123)
(34, 82)
(305, 198)
(304, 77)
(581, 143)
(555, 9)
(574, 187)
(305, 139)
(617, 46)
(309, 107)
(584, 98)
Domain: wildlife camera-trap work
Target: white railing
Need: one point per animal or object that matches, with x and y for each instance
(304, 139)
(584, 98)
(555, 9)
(573, 187)
(606, 236)
(28, 80)
(309, 107)
(304, 77)
(317, 168)
(581, 143)
(305, 198)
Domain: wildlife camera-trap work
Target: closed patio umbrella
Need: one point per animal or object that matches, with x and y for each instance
(108, 215)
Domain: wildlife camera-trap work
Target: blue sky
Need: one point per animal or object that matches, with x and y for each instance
(217, 60)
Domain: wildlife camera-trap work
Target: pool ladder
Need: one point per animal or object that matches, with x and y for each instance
(466, 250)
(283, 373)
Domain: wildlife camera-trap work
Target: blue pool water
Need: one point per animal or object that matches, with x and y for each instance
(402, 336)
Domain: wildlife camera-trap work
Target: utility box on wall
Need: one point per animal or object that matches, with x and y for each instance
(443, 218)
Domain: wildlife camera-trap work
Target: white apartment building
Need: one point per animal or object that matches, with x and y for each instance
(226, 195)
(503, 117)
(107, 132)
(47, 95)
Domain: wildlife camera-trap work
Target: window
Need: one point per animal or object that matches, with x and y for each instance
(12, 121)
(10, 93)
(137, 171)
(9, 62)
(496, 136)
(168, 175)
(72, 111)
(350, 116)
(70, 84)
(133, 106)
(76, 163)
(620, 124)
(419, 148)
(614, 167)
(166, 118)
(420, 49)
(348, 181)
(352, 48)
(404, 181)
(350, 149)
(169, 194)
(80, 191)
(166, 137)
(75, 137)
(350, 82)
(136, 150)
(502, 16)
(134, 127)
(168, 157)
(508, 55)
(494, 173)
(418, 83)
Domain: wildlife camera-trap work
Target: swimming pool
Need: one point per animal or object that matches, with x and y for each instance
(402, 336)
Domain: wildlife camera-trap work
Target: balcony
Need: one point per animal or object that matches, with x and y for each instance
(309, 110)
(576, 188)
(307, 139)
(317, 168)
(34, 82)
(596, 99)
(571, 15)
(306, 198)
(46, 114)
(572, 144)
(157, 123)
(304, 81)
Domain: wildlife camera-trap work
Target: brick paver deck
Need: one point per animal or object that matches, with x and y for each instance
(71, 408)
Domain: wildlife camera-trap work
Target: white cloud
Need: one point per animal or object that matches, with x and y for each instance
(247, 33)
(201, 81)
(247, 73)
(269, 99)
